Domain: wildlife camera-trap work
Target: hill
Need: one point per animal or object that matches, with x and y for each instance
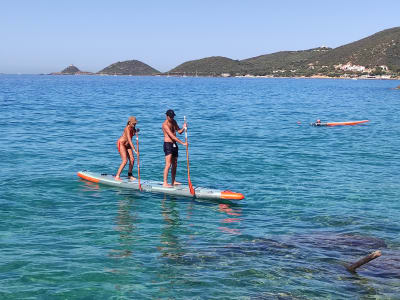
(285, 61)
(211, 66)
(71, 70)
(378, 54)
(129, 67)
(382, 48)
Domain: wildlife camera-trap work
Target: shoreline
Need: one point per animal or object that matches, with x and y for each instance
(239, 76)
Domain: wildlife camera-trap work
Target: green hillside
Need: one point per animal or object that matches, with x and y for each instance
(70, 70)
(368, 55)
(129, 67)
(211, 66)
(284, 61)
(382, 48)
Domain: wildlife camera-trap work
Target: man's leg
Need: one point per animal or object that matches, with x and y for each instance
(168, 159)
(174, 163)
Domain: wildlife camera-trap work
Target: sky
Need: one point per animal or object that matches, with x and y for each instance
(43, 36)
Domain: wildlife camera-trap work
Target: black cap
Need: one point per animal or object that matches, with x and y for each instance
(170, 113)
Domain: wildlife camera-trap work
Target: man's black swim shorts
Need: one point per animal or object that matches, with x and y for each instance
(171, 148)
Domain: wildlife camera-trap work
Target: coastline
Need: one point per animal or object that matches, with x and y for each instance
(221, 76)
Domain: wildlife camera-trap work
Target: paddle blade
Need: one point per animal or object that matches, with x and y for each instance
(191, 189)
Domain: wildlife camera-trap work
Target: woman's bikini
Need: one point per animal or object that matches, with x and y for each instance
(123, 140)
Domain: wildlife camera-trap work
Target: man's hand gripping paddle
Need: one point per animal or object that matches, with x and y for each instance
(187, 159)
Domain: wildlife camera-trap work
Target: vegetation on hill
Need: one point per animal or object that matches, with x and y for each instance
(71, 70)
(215, 65)
(129, 67)
(378, 54)
(382, 48)
(285, 61)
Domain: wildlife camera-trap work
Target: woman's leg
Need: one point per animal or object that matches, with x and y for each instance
(122, 151)
(131, 162)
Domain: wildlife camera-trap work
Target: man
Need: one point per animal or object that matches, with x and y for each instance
(169, 128)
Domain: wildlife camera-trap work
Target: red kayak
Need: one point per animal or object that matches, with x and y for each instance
(339, 123)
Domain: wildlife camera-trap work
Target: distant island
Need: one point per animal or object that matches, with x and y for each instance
(129, 67)
(376, 56)
(72, 70)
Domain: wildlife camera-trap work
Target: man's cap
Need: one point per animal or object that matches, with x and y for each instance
(132, 120)
(170, 113)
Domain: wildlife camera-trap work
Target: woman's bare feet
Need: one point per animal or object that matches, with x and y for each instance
(177, 183)
(167, 185)
(132, 178)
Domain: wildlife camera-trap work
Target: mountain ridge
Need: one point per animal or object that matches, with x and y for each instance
(377, 54)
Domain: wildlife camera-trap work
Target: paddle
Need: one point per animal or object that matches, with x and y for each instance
(187, 158)
(138, 160)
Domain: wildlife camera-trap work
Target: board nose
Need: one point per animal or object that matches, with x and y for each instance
(231, 195)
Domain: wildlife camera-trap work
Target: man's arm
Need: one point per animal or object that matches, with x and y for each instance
(179, 130)
(171, 135)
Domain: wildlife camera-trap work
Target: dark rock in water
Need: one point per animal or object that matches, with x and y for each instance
(386, 266)
(340, 242)
(256, 247)
(275, 296)
(330, 251)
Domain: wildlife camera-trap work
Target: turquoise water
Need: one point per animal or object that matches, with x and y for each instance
(316, 198)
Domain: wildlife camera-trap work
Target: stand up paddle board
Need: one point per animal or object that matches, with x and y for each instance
(339, 123)
(157, 187)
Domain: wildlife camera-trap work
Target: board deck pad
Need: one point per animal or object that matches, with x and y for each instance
(157, 187)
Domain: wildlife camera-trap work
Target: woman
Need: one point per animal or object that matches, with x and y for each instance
(126, 148)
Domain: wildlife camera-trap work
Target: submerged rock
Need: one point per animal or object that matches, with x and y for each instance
(340, 242)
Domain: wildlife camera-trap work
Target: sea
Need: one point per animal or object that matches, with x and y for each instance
(317, 199)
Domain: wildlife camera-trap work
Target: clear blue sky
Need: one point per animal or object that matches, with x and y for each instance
(42, 36)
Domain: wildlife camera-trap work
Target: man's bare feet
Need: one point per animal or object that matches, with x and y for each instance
(177, 183)
(132, 178)
(118, 178)
(167, 185)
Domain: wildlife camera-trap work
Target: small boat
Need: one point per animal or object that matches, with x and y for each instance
(339, 123)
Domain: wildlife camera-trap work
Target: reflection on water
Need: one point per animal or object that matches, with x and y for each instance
(89, 186)
(170, 232)
(232, 221)
(126, 226)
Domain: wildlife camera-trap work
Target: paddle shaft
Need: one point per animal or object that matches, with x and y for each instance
(138, 160)
(187, 159)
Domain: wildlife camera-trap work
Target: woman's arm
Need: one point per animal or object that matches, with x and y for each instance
(128, 136)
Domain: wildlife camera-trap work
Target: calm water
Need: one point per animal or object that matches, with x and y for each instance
(316, 198)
